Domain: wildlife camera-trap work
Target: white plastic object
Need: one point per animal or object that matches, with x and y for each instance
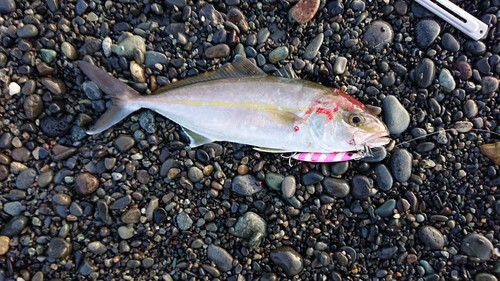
(456, 16)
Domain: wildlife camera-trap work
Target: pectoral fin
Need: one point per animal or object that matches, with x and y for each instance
(196, 139)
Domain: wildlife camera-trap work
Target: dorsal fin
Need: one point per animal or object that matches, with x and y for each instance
(241, 67)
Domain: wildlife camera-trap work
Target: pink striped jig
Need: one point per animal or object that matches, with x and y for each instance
(319, 157)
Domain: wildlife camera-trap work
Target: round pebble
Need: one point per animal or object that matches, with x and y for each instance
(476, 245)
(252, 227)
(86, 183)
(361, 187)
(386, 209)
(396, 117)
(195, 174)
(124, 143)
(245, 185)
(338, 188)
(26, 178)
(426, 32)
(432, 237)
(401, 161)
(274, 180)
(288, 260)
(449, 42)
(424, 73)
(312, 48)
(58, 248)
(489, 84)
(218, 51)
(446, 80)
(340, 65)
(184, 221)
(378, 35)
(278, 54)
(304, 10)
(384, 180)
(222, 259)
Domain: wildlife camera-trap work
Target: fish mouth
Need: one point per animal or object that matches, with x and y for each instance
(374, 140)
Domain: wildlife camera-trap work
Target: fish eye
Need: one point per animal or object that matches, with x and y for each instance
(355, 119)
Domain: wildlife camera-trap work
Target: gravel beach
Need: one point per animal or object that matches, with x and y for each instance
(137, 203)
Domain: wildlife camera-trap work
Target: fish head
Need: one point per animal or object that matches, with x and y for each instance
(367, 129)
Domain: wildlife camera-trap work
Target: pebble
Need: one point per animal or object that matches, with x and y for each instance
(489, 84)
(121, 203)
(449, 42)
(127, 46)
(424, 73)
(91, 90)
(426, 32)
(48, 55)
(86, 268)
(358, 5)
(151, 58)
(483, 276)
(69, 51)
(362, 187)
(386, 209)
(432, 237)
(312, 178)
(288, 186)
(184, 221)
(245, 185)
(26, 178)
(274, 180)
(338, 188)
(4, 245)
(27, 31)
(13, 208)
(396, 117)
(278, 54)
(14, 88)
(218, 51)
(340, 65)
(222, 259)
(401, 161)
(378, 35)
(55, 86)
(58, 248)
(289, 260)
(86, 183)
(7, 6)
(476, 48)
(97, 247)
(14, 226)
(313, 48)
(33, 106)
(384, 180)
(125, 232)
(195, 174)
(131, 216)
(124, 143)
(446, 80)
(304, 10)
(137, 72)
(470, 108)
(464, 69)
(252, 227)
(476, 245)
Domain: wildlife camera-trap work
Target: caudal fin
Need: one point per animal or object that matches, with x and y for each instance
(122, 97)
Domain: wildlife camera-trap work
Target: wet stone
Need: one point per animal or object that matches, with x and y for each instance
(431, 237)
(147, 122)
(222, 259)
(97, 247)
(4, 173)
(245, 185)
(69, 51)
(476, 245)
(58, 248)
(312, 178)
(384, 180)
(33, 106)
(86, 183)
(446, 80)
(449, 42)
(489, 84)
(21, 154)
(464, 69)
(55, 86)
(273, 180)
(425, 147)
(124, 143)
(312, 48)
(152, 58)
(378, 35)
(470, 108)
(127, 46)
(26, 179)
(401, 161)
(86, 268)
(121, 203)
(278, 54)
(27, 31)
(125, 232)
(338, 188)
(14, 226)
(13, 208)
(288, 260)
(184, 221)
(387, 253)
(426, 32)
(424, 73)
(304, 10)
(218, 51)
(159, 215)
(263, 35)
(361, 187)
(91, 90)
(195, 174)
(396, 117)
(476, 48)
(252, 227)
(7, 6)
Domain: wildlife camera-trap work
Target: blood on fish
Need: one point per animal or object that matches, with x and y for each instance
(296, 128)
(327, 112)
(349, 98)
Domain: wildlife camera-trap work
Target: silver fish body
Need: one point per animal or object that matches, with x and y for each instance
(241, 104)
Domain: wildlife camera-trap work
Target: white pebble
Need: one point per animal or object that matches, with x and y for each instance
(14, 88)
(106, 46)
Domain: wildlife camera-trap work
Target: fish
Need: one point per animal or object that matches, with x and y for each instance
(240, 103)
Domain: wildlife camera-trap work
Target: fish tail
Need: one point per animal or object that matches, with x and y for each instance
(122, 97)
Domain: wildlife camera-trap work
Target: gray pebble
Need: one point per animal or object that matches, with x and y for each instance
(273, 180)
(195, 174)
(449, 42)
(13, 208)
(426, 32)
(152, 57)
(58, 248)
(378, 154)
(55, 86)
(124, 143)
(147, 122)
(218, 51)
(125, 232)
(358, 5)
(86, 183)
(91, 90)
(278, 54)
(288, 186)
(483, 276)
(26, 178)
(476, 48)
(384, 179)
(81, 7)
(121, 203)
(396, 117)
(7, 6)
(178, 3)
(401, 161)
(97, 247)
(378, 35)
(476, 245)
(245, 185)
(338, 188)
(252, 227)
(27, 31)
(362, 187)
(340, 168)
(69, 51)
(289, 260)
(313, 48)
(446, 80)
(127, 46)
(262, 35)
(489, 84)
(14, 226)
(424, 73)
(340, 65)
(86, 268)
(470, 108)
(387, 253)
(222, 259)
(312, 178)
(184, 221)
(432, 237)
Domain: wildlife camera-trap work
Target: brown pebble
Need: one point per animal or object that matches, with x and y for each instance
(4, 245)
(411, 258)
(242, 169)
(86, 183)
(492, 151)
(304, 10)
(218, 51)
